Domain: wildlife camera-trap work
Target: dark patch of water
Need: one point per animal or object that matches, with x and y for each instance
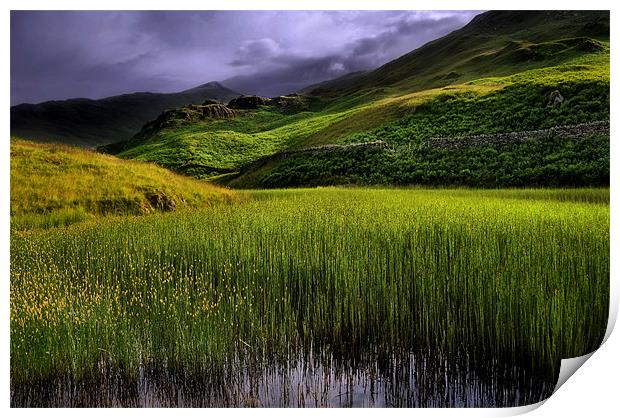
(404, 380)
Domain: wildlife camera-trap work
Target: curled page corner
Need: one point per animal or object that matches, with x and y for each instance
(518, 410)
(568, 367)
(613, 311)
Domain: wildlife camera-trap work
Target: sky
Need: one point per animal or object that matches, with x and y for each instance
(93, 54)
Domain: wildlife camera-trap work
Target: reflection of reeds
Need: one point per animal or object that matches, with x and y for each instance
(344, 271)
(407, 379)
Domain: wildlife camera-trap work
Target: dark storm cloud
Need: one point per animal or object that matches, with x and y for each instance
(280, 73)
(421, 29)
(291, 75)
(256, 50)
(57, 55)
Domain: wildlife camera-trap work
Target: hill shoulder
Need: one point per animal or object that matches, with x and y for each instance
(54, 184)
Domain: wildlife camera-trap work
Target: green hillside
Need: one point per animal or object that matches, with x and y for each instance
(91, 123)
(55, 185)
(493, 43)
(497, 74)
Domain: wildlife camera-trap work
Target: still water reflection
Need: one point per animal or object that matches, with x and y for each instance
(404, 380)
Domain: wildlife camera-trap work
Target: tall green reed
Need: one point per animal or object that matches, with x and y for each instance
(342, 270)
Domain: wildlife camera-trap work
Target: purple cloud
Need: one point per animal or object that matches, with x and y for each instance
(63, 54)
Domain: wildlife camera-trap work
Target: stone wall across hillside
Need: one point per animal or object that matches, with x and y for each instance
(570, 131)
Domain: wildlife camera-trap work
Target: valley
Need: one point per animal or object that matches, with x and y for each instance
(434, 232)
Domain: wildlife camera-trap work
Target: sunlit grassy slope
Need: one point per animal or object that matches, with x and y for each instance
(502, 84)
(493, 43)
(56, 185)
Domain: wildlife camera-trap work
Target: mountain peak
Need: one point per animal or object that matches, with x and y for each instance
(211, 84)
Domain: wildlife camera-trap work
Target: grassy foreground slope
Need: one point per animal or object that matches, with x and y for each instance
(509, 79)
(55, 184)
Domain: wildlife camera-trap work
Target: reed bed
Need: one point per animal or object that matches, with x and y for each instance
(518, 276)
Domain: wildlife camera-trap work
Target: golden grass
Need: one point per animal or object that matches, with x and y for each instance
(53, 184)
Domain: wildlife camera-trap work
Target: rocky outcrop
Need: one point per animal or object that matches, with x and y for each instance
(292, 101)
(555, 99)
(589, 45)
(581, 130)
(211, 102)
(289, 102)
(216, 111)
(160, 201)
(248, 102)
(191, 113)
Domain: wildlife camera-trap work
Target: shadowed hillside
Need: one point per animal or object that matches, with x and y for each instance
(91, 123)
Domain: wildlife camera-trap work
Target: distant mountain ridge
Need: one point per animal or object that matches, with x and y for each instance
(91, 123)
